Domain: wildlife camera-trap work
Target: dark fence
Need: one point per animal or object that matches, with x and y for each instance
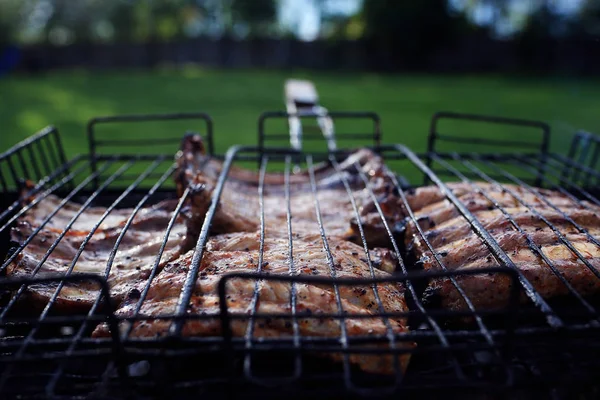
(471, 54)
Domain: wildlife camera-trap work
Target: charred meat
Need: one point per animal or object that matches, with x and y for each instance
(518, 219)
(132, 262)
(239, 252)
(239, 207)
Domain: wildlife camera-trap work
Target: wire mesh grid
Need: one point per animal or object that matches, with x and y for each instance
(52, 351)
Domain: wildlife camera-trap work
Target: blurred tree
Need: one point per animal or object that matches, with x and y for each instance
(56, 29)
(10, 20)
(337, 25)
(167, 19)
(74, 21)
(588, 19)
(410, 30)
(529, 20)
(122, 18)
(544, 21)
(253, 17)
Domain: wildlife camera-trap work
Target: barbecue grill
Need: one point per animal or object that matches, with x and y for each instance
(542, 348)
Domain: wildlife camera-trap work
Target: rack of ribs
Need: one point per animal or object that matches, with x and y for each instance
(536, 249)
(239, 252)
(239, 207)
(132, 263)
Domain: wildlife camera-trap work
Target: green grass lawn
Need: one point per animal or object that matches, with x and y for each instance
(234, 99)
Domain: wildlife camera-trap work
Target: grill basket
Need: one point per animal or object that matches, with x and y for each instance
(544, 348)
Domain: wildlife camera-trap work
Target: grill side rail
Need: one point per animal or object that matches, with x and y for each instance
(32, 160)
(138, 140)
(537, 131)
(28, 168)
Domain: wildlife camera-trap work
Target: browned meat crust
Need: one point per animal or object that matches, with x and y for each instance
(459, 248)
(432, 196)
(239, 207)
(238, 252)
(238, 211)
(132, 264)
(434, 214)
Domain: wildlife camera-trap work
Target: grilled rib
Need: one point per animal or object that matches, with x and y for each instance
(239, 252)
(459, 228)
(458, 231)
(422, 197)
(460, 248)
(133, 260)
(239, 208)
(437, 213)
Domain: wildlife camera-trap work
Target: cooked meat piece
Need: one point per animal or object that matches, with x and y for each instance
(493, 291)
(459, 248)
(422, 197)
(435, 214)
(239, 207)
(381, 259)
(82, 225)
(238, 252)
(133, 261)
(457, 231)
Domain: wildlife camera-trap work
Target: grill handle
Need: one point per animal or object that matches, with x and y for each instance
(301, 99)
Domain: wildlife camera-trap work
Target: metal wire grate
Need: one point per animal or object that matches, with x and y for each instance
(512, 348)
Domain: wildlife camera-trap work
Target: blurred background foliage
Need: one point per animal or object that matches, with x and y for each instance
(427, 23)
